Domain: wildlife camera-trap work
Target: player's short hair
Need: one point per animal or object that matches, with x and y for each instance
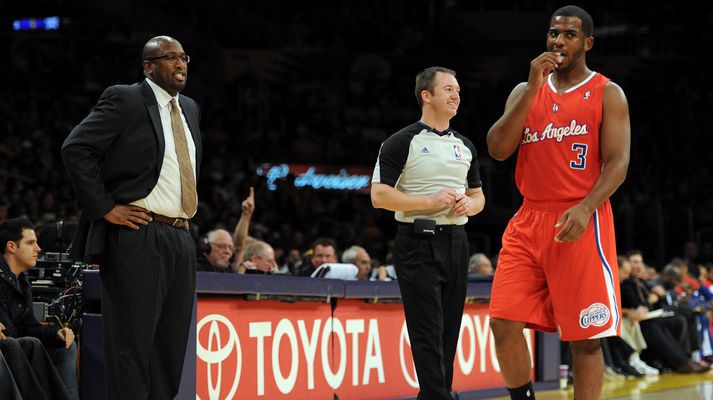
(11, 231)
(426, 80)
(574, 11)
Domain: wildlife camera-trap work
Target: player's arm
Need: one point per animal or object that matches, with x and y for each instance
(505, 135)
(385, 196)
(614, 144)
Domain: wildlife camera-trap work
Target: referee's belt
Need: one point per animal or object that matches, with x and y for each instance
(436, 229)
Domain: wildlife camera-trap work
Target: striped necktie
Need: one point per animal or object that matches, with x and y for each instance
(189, 198)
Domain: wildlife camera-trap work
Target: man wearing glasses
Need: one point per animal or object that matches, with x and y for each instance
(133, 162)
(217, 252)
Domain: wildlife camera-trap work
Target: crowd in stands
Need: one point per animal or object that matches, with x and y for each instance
(667, 319)
(279, 84)
(313, 97)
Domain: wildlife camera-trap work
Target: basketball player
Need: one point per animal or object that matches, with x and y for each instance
(557, 269)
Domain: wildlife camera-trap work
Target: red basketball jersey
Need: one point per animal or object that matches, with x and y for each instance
(559, 158)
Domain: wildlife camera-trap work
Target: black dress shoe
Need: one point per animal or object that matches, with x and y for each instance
(692, 368)
(628, 370)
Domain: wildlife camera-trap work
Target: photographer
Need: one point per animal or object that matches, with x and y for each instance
(20, 251)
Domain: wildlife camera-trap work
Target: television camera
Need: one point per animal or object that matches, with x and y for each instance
(57, 289)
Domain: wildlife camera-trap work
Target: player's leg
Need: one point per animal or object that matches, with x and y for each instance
(588, 364)
(583, 279)
(519, 299)
(512, 351)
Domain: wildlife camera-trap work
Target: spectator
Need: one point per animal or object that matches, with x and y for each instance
(323, 251)
(358, 256)
(57, 236)
(480, 264)
(688, 282)
(240, 234)
(20, 251)
(631, 335)
(678, 300)
(701, 299)
(259, 258)
(709, 276)
(667, 338)
(293, 262)
(216, 252)
(638, 272)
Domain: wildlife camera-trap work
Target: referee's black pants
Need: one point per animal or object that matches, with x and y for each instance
(432, 274)
(148, 284)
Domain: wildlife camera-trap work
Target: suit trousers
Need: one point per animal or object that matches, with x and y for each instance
(667, 340)
(432, 275)
(148, 285)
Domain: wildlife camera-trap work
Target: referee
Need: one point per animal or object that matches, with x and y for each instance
(428, 174)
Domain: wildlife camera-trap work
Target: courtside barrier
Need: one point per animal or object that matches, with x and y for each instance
(285, 337)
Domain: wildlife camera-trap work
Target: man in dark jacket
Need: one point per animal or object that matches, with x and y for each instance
(18, 244)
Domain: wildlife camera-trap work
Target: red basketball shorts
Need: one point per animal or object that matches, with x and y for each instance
(572, 287)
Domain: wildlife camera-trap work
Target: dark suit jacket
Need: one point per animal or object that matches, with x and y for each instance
(16, 309)
(114, 156)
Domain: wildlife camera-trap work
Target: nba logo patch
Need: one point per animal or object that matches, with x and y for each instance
(586, 95)
(555, 107)
(456, 150)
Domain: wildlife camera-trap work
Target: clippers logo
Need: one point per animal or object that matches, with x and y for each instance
(595, 315)
(222, 356)
(456, 150)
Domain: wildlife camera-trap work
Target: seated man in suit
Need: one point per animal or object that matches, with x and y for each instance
(20, 250)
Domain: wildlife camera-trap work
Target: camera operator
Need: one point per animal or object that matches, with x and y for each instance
(20, 250)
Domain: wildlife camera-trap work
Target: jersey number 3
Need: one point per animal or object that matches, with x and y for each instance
(581, 161)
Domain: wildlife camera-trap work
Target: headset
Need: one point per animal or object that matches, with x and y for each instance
(205, 245)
